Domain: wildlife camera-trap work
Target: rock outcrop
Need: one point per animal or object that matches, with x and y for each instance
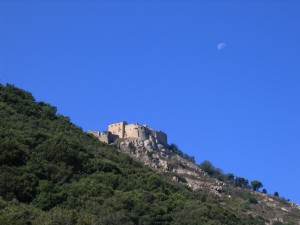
(163, 159)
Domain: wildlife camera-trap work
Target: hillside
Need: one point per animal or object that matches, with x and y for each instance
(54, 173)
(232, 191)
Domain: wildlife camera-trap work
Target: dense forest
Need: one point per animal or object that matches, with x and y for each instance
(54, 173)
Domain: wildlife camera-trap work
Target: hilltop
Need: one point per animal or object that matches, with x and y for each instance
(52, 172)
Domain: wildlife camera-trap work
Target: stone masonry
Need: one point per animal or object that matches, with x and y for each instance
(124, 130)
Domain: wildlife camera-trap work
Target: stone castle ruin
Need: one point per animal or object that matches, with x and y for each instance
(123, 130)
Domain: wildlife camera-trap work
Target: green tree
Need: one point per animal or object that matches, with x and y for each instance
(256, 185)
(229, 178)
(241, 182)
(207, 167)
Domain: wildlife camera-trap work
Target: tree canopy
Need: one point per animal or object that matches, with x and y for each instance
(256, 185)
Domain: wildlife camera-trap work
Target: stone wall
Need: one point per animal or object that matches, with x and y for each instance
(118, 128)
(145, 133)
(106, 136)
(137, 131)
(94, 132)
(123, 130)
(161, 137)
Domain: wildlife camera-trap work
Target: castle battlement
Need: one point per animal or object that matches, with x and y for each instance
(124, 130)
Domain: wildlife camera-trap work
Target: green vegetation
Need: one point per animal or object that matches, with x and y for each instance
(51, 172)
(175, 149)
(256, 185)
(230, 178)
(208, 167)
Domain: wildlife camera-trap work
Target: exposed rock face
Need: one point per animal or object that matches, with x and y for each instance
(162, 159)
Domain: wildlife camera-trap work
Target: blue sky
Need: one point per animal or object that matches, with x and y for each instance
(157, 63)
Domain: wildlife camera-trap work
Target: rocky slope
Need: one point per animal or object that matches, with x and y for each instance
(163, 159)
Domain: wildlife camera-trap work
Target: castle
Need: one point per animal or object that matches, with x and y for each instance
(124, 130)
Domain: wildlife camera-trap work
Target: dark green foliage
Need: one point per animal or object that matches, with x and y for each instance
(208, 167)
(48, 195)
(53, 173)
(176, 150)
(256, 185)
(229, 178)
(13, 152)
(241, 182)
(15, 213)
(280, 223)
(246, 195)
(252, 200)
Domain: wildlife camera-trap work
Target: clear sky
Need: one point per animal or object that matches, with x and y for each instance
(221, 78)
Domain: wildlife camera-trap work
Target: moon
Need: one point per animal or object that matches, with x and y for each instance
(221, 45)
